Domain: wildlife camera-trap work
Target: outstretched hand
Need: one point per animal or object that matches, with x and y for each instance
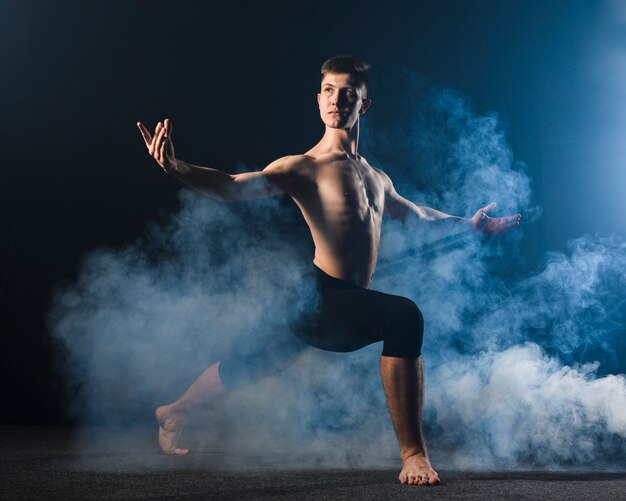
(160, 146)
(492, 226)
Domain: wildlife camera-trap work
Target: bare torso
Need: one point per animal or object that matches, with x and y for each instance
(342, 202)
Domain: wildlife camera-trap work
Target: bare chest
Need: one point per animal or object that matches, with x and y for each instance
(351, 189)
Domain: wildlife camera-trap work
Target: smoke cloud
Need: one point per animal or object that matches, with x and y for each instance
(519, 371)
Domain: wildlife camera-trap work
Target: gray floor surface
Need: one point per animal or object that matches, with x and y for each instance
(38, 462)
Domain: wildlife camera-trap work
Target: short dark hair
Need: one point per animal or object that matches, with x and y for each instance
(358, 68)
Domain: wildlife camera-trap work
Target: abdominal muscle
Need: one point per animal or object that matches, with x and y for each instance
(351, 261)
(344, 213)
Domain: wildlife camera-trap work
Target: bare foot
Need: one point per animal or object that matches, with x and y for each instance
(171, 425)
(416, 470)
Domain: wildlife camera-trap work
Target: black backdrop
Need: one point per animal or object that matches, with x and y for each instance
(239, 82)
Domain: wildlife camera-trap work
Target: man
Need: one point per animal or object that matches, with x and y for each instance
(342, 198)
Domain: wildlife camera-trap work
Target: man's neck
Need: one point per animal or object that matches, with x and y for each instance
(344, 140)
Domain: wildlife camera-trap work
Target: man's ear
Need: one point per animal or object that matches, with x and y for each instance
(318, 98)
(365, 105)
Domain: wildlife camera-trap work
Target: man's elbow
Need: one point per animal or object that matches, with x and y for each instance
(248, 187)
(230, 191)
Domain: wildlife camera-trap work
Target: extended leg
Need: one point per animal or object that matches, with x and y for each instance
(403, 380)
(268, 359)
(172, 418)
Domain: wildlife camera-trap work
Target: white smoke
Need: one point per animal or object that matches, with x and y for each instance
(520, 407)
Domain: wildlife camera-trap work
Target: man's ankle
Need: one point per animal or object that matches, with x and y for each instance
(408, 452)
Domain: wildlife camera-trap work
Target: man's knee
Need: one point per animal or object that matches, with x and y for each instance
(405, 330)
(408, 315)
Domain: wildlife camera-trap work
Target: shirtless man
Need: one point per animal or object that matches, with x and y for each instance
(342, 198)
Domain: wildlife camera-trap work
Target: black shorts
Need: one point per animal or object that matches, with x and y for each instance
(347, 318)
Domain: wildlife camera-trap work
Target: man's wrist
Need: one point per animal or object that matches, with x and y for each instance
(463, 220)
(178, 167)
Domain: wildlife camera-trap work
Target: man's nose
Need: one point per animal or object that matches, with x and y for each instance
(338, 99)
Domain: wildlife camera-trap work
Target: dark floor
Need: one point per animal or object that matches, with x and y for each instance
(59, 463)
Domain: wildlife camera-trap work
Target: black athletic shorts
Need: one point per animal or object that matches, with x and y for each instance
(348, 318)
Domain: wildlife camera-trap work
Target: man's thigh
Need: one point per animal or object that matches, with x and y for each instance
(350, 319)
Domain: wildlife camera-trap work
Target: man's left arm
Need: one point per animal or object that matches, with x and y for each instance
(407, 212)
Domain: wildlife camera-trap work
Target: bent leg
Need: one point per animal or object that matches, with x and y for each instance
(403, 380)
(353, 317)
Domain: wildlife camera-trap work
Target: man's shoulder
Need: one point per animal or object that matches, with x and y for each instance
(385, 178)
(290, 163)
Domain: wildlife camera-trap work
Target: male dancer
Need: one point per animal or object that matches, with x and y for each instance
(342, 198)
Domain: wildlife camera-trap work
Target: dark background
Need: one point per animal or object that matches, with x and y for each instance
(239, 82)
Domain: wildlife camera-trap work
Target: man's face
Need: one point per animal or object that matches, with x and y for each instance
(341, 101)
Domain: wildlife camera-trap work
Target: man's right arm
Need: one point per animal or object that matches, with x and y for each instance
(277, 178)
(281, 176)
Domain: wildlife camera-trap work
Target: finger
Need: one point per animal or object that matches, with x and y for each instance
(157, 140)
(157, 129)
(489, 207)
(181, 452)
(145, 134)
(514, 221)
(168, 127)
(160, 147)
(154, 138)
(510, 219)
(160, 136)
(162, 152)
